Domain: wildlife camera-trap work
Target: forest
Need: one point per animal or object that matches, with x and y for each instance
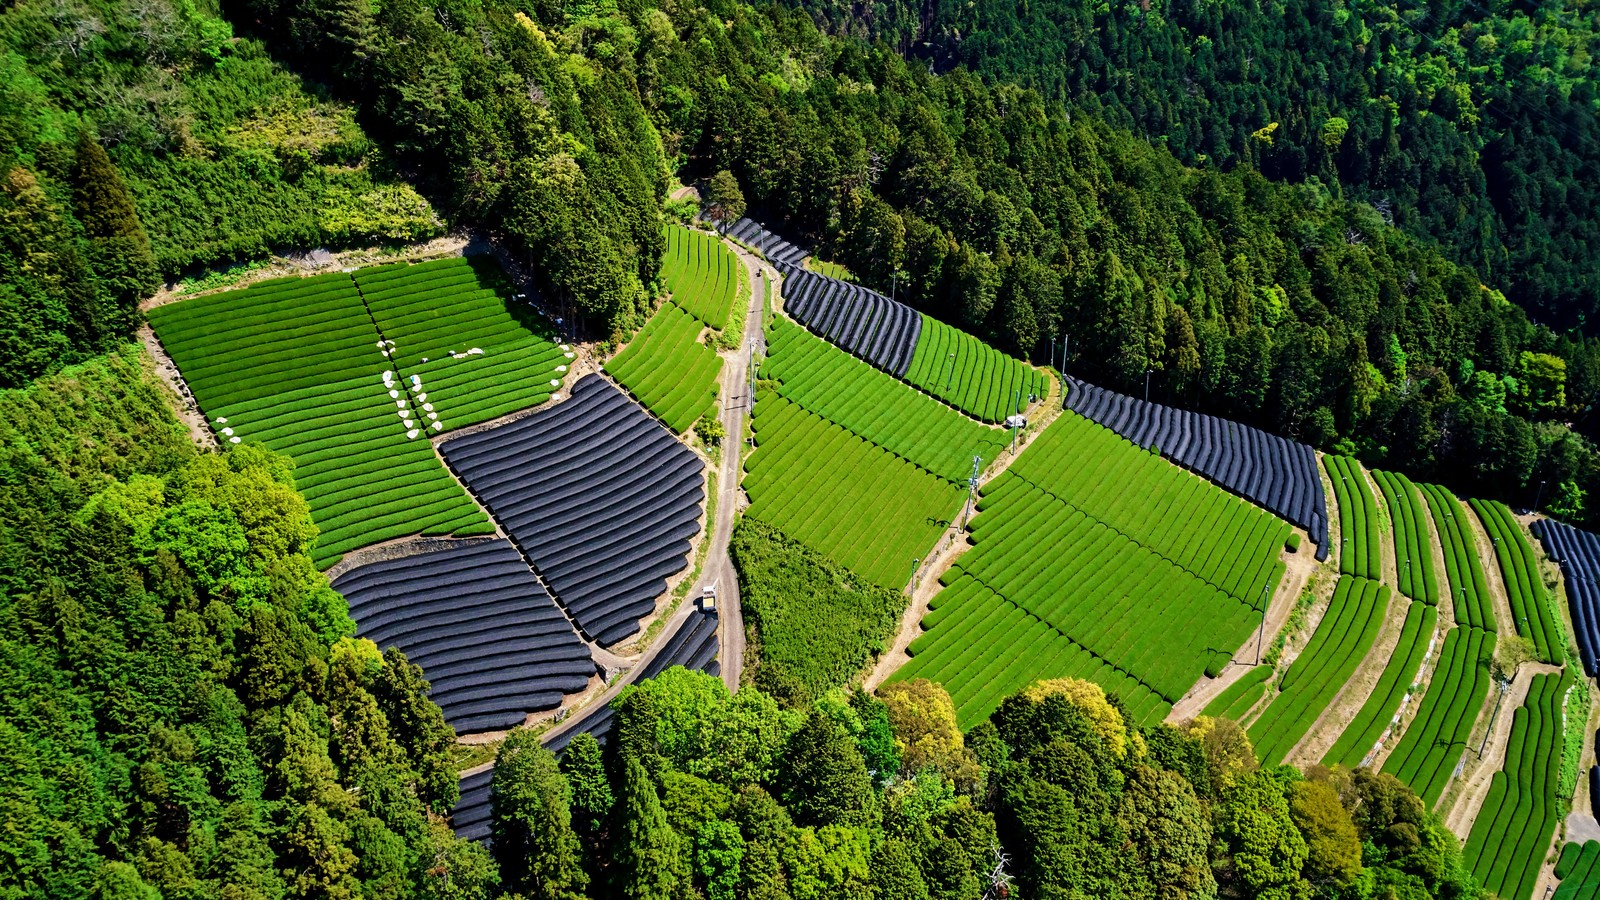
(1469, 125)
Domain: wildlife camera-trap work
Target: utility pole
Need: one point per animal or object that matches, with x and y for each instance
(950, 372)
(972, 488)
(1503, 682)
(915, 562)
(1147, 385)
(1018, 404)
(1538, 496)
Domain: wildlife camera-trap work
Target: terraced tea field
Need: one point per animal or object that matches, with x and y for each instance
(702, 274)
(1515, 824)
(1426, 756)
(1121, 526)
(835, 385)
(668, 369)
(1413, 545)
(1360, 544)
(1400, 672)
(1530, 605)
(1274, 473)
(476, 352)
(842, 495)
(971, 375)
(1469, 589)
(1309, 685)
(294, 364)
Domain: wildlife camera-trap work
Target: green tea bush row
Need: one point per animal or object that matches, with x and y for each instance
(1530, 606)
(1336, 649)
(1507, 844)
(879, 407)
(1469, 589)
(667, 368)
(971, 375)
(843, 496)
(1399, 674)
(1241, 696)
(1425, 757)
(1360, 551)
(1413, 545)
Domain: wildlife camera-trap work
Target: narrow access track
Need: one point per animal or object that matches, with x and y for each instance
(736, 377)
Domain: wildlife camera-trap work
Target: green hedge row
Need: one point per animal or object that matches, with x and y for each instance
(1469, 589)
(1519, 568)
(1341, 641)
(1413, 544)
(1399, 674)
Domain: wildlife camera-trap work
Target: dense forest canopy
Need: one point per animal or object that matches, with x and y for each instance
(182, 710)
(1472, 125)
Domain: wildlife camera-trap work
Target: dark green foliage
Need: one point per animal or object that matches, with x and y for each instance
(822, 779)
(138, 138)
(1455, 121)
(648, 860)
(182, 711)
(815, 623)
(584, 769)
(555, 152)
(534, 842)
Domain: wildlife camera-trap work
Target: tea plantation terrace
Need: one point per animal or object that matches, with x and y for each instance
(1270, 471)
(489, 639)
(748, 232)
(1578, 554)
(693, 645)
(864, 322)
(599, 496)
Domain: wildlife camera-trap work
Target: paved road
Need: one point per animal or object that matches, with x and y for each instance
(735, 405)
